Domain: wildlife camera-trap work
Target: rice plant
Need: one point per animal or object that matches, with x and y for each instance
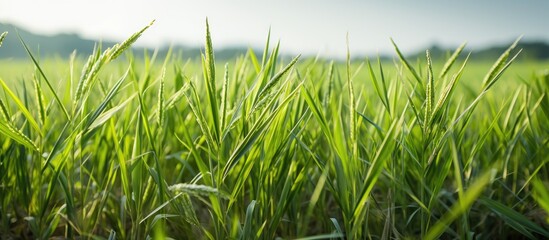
(270, 147)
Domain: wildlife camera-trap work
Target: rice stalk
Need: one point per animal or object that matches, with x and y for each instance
(161, 111)
(2, 37)
(208, 64)
(39, 96)
(48, 83)
(450, 62)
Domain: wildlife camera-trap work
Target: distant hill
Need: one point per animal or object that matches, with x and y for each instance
(532, 50)
(62, 45)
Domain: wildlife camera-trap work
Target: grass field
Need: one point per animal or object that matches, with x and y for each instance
(111, 147)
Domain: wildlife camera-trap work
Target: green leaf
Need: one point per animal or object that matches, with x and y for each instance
(247, 230)
(17, 136)
(104, 116)
(461, 206)
(516, 220)
(381, 92)
(156, 210)
(541, 195)
(273, 81)
(21, 107)
(108, 98)
(409, 67)
(48, 83)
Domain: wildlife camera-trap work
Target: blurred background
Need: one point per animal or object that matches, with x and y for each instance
(312, 28)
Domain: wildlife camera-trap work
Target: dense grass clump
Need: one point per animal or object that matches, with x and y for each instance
(267, 148)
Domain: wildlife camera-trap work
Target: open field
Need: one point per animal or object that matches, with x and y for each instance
(111, 147)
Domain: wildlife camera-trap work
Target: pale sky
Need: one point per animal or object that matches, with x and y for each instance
(302, 26)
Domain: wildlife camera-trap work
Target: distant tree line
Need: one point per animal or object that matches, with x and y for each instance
(62, 45)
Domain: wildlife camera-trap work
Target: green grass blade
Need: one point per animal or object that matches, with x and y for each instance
(451, 61)
(370, 121)
(194, 104)
(374, 171)
(337, 227)
(4, 111)
(106, 101)
(257, 129)
(460, 207)
(106, 115)
(170, 103)
(496, 77)
(156, 210)
(274, 80)
(266, 49)
(516, 220)
(21, 107)
(17, 136)
(314, 105)
(541, 195)
(450, 87)
(498, 65)
(247, 230)
(57, 146)
(254, 60)
(48, 83)
(407, 65)
(381, 92)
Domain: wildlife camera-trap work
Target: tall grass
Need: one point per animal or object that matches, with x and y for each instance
(267, 148)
